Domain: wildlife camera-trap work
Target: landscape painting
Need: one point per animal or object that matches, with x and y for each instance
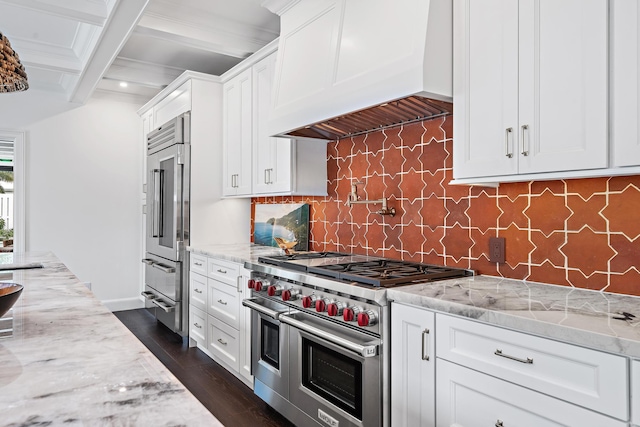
(287, 222)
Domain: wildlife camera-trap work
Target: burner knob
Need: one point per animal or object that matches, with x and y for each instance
(258, 286)
(335, 308)
(308, 300)
(321, 305)
(274, 290)
(349, 314)
(367, 318)
(288, 294)
(251, 284)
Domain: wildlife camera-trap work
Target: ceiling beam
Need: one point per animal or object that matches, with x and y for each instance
(89, 11)
(123, 19)
(44, 56)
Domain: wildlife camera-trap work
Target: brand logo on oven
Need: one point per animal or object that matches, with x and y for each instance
(328, 419)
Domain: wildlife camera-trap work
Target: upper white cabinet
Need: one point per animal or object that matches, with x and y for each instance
(254, 162)
(236, 135)
(530, 86)
(625, 118)
(176, 103)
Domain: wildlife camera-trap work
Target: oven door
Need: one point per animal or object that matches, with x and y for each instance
(336, 372)
(269, 347)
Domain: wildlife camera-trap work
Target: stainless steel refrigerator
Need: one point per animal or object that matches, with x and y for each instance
(167, 234)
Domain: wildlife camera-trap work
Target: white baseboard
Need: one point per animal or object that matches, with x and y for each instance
(124, 304)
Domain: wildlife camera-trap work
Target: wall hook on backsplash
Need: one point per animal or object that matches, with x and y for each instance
(352, 199)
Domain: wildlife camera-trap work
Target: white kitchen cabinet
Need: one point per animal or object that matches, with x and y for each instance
(635, 392)
(625, 98)
(174, 104)
(245, 328)
(413, 364)
(468, 398)
(530, 87)
(236, 135)
(198, 326)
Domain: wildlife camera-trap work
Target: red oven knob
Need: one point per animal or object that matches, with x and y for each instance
(308, 300)
(368, 318)
(288, 294)
(321, 306)
(274, 290)
(251, 284)
(349, 314)
(258, 286)
(335, 309)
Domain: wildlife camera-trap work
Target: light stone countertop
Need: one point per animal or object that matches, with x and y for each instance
(72, 362)
(587, 318)
(235, 252)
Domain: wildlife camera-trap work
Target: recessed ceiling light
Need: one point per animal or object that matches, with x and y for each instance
(124, 84)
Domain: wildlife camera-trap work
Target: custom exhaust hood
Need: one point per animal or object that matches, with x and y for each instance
(346, 67)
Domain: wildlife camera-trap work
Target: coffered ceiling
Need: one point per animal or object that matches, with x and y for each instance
(75, 47)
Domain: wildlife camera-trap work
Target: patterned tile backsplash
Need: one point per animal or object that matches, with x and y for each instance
(578, 232)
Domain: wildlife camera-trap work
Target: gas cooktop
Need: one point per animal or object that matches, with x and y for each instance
(362, 269)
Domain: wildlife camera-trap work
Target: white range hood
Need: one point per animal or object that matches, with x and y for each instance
(346, 67)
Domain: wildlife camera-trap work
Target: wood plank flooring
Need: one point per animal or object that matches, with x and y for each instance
(225, 396)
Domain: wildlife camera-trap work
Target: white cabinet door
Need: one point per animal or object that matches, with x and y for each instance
(245, 329)
(530, 86)
(271, 156)
(625, 101)
(412, 366)
(467, 398)
(236, 135)
(635, 392)
(174, 104)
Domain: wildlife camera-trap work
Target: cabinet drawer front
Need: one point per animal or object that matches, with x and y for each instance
(223, 342)
(467, 398)
(198, 291)
(198, 326)
(198, 264)
(224, 303)
(225, 271)
(588, 378)
(635, 392)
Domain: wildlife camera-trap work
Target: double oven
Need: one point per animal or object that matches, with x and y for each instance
(320, 351)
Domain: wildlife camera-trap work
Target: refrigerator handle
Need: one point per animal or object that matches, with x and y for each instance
(156, 215)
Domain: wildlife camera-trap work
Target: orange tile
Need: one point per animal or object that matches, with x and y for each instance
(547, 248)
(412, 185)
(587, 251)
(375, 141)
(375, 235)
(411, 134)
(586, 213)
(519, 272)
(586, 187)
(343, 189)
(344, 148)
(433, 212)
(412, 257)
(455, 192)
(412, 156)
(359, 144)
(433, 181)
(623, 212)
(358, 249)
(597, 281)
(411, 239)
(434, 132)
(447, 126)
(513, 212)
(393, 187)
(433, 239)
(412, 211)
(433, 257)
(627, 283)
(393, 253)
(627, 253)
(393, 160)
(376, 159)
(374, 185)
(483, 266)
(457, 213)
(393, 236)
(619, 183)
(547, 212)
(332, 231)
(359, 166)
(448, 148)
(548, 273)
(392, 202)
(517, 246)
(477, 190)
(343, 168)
(513, 190)
(433, 156)
(359, 235)
(483, 211)
(457, 242)
(556, 187)
(393, 137)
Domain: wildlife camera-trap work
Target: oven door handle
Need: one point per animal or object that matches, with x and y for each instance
(363, 350)
(252, 304)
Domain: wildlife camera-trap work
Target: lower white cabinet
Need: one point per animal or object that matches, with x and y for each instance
(218, 322)
(635, 392)
(412, 366)
(467, 398)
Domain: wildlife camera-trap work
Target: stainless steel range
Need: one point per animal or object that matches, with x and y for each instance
(320, 328)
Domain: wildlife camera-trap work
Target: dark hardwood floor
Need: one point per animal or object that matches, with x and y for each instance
(225, 396)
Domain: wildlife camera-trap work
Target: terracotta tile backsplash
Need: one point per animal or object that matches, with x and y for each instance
(579, 232)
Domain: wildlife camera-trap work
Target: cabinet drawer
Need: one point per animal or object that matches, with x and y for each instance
(198, 264)
(588, 378)
(198, 291)
(635, 392)
(223, 342)
(467, 398)
(198, 326)
(224, 271)
(224, 302)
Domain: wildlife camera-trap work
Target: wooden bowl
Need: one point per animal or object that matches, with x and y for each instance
(9, 294)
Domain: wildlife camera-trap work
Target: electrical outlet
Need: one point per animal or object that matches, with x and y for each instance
(496, 249)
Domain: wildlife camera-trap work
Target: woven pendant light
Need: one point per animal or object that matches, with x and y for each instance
(13, 78)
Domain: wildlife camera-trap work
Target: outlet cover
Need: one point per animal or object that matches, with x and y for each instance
(496, 250)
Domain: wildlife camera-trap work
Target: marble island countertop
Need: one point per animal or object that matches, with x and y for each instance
(599, 320)
(235, 252)
(72, 362)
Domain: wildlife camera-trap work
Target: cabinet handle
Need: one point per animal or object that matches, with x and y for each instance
(197, 326)
(222, 302)
(499, 423)
(221, 271)
(221, 341)
(199, 264)
(270, 170)
(197, 291)
(498, 352)
(425, 344)
(266, 178)
(525, 129)
(508, 133)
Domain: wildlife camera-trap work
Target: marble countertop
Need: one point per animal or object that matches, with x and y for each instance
(72, 362)
(600, 320)
(235, 252)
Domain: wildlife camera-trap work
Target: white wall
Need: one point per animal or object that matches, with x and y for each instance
(83, 194)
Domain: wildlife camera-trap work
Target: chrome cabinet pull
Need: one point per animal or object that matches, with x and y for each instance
(525, 151)
(164, 268)
(197, 326)
(222, 271)
(199, 264)
(221, 341)
(266, 176)
(508, 133)
(498, 352)
(222, 302)
(425, 344)
(197, 291)
(270, 180)
(499, 423)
